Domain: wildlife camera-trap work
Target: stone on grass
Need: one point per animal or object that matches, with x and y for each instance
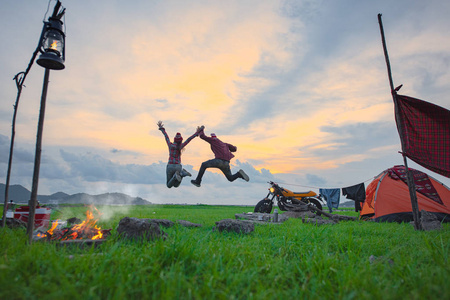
(429, 221)
(135, 228)
(261, 217)
(162, 222)
(317, 220)
(238, 226)
(188, 224)
(299, 214)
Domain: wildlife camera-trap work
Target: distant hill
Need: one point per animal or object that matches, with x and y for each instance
(19, 194)
(347, 204)
(16, 192)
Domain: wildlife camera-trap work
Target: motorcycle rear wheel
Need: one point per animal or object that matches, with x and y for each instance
(264, 206)
(313, 202)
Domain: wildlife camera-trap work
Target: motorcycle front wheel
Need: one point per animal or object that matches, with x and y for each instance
(264, 206)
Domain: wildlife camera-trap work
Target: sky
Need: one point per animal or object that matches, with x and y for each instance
(299, 87)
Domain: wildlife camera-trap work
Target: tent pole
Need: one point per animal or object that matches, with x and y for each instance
(410, 179)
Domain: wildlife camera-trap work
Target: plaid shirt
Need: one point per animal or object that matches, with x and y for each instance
(174, 150)
(220, 149)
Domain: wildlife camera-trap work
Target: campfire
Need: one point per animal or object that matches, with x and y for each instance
(86, 230)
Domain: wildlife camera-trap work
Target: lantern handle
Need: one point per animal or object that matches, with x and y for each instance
(56, 14)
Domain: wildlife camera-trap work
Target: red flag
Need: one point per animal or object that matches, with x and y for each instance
(424, 130)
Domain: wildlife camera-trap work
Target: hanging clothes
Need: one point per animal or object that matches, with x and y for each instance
(332, 196)
(356, 193)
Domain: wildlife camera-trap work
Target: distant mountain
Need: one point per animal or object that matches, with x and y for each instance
(19, 194)
(16, 192)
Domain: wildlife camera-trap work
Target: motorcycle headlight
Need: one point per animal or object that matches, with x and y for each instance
(272, 190)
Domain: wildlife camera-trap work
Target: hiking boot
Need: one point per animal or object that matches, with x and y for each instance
(185, 173)
(177, 175)
(244, 175)
(196, 183)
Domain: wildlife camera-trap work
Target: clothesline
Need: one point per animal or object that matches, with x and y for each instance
(355, 192)
(315, 187)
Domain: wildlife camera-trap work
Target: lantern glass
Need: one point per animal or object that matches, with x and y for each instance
(53, 42)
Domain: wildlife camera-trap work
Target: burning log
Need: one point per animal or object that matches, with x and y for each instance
(73, 233)
(86, 230)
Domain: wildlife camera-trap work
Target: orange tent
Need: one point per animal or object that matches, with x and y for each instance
(388, 200)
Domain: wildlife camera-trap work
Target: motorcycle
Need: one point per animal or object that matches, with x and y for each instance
(285, 197)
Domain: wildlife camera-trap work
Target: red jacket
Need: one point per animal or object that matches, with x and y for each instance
(220, 149)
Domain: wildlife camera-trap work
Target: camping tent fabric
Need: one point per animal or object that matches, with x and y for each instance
(421, 180)
(388, 199)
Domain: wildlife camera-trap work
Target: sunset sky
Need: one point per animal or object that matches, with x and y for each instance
(300, 87)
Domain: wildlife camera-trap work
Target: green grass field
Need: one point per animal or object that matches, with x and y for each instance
(292, 260)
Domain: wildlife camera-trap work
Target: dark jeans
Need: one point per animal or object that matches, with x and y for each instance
(171, 177)
(220, 164)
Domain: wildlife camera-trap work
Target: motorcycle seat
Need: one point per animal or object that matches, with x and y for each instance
(305, 194)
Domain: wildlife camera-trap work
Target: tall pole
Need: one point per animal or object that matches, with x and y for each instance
(409, 176)
(20, 79)
(37, 159)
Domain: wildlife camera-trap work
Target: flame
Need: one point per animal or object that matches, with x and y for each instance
(54, 45)
(87, 225)
(54, 225)
(85, 230)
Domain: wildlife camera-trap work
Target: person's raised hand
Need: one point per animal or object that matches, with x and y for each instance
(200, 128)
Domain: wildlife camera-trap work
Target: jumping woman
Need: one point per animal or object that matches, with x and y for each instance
(174, 170)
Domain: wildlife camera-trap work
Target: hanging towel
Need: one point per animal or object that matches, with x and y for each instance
(332, 196)
(356, 193)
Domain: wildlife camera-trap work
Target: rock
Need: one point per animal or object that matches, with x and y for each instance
(261, 217)
(238, 226)
(318, 221)
(299, 214)
(429, 221)
(162, 222)
(134, 228)
(188, 224)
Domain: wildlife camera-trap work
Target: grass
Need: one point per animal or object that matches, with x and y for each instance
(292, 260)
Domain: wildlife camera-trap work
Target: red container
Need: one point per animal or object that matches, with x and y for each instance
(41, 215)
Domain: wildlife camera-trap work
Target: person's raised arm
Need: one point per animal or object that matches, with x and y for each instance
(232, 148)
(199, 128)
(163, 130)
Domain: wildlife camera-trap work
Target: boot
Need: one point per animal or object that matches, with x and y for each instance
(196, 183)
(185, 173)
(243, 175)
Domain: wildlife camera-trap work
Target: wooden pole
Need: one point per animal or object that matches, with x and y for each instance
(11, 147)
(20, 79)
(37, 159)
(410, 179)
